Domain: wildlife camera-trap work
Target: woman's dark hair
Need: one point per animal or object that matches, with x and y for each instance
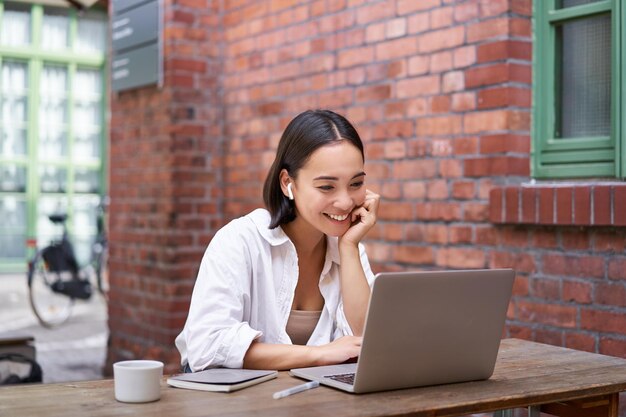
(306, 133)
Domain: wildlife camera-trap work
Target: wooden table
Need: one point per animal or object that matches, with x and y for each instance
(547, 378)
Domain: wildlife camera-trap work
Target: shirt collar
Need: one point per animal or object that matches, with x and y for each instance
(261, 219)
(276, 237)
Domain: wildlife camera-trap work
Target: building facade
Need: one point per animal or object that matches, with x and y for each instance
(53, 127)
(475, 169)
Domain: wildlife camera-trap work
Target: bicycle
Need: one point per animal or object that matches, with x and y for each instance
(55, 279)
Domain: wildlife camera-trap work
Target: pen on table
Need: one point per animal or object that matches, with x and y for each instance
(296, 389)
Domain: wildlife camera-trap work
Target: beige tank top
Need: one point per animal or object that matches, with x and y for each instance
(301, 324)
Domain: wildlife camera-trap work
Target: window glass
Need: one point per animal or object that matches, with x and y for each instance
(84, 225)
(87, 121)
(562, 4)
(55, 29)
(86, 180)
(15, 25)
(584, 84)
(52, 179)
(53, 113)
(91, 32)
(12, 227)
(46, 230)
(14, 103)
(12, 178)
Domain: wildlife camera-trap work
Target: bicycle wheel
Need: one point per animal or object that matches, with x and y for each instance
(51, 308)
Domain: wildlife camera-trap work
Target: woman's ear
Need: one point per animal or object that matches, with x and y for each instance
(286, 184)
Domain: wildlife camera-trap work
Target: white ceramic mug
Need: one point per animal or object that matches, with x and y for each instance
(137, 381)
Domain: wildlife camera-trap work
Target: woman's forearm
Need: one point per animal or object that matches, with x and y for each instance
(355, 290)
(280, 357)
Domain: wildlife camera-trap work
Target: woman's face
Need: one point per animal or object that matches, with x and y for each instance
(328, 187)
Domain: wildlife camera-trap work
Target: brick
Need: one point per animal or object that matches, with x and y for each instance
(504, 96)
(498, 165)
(496, 205)
(488, 29)
(396, 48)
(434, 233)
(418, 65)
(603, 321)
(612, 346)
(438, 211)
(502, 143)
(575, 266)
(582, 205)
(617, 268)
(529, 205)
(575, 239)
(613, 294)
(410, 6)
(511, 204)
(546, 288)
(546, 205)
(373, 93)
(463, 101)
(413, 169)
(465, 11)
(464, 190)
(619, 205)
(475, 212)
(611, 241)
(453, 81)
(601, 204)
(395, 28)
(563, 207)
(437, 190)
(441, 39)
(415, 255)
(440, 104)
(486, 75)
(418, 86)
(549, 336)
(441, 17)
(460, 234)
(580, 341)
(440, 62)
(414, 190)
(519, 261)
(460, 258)
(503, 50)
(439, 126)
(357, 56)
(548, 314)
(464, 56)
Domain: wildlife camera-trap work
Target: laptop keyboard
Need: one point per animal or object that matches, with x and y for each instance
(345, 378)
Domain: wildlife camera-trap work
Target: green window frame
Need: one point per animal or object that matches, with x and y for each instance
(72, 61)
(554, 155)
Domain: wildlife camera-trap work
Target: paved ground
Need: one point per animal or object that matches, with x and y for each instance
(75, 350)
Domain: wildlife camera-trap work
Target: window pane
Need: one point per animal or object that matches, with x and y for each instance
(55, 29)
(84, 223)
(91, 33)
(12, 178)
(46, 230)
(562, 4)
(12, 227)
(87, 121)
(15, 25)
(14, 104)
(52, 179)
(585, 78)
(86, 180)
(53, 113)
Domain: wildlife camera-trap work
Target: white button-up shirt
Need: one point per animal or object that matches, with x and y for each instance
(244, 292)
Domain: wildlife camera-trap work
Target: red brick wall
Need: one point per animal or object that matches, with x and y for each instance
(440, 91)
(165, 186)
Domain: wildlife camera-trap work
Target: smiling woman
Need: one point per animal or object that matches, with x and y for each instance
(295, 272)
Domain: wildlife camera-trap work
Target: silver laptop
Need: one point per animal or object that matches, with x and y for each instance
(425, 328)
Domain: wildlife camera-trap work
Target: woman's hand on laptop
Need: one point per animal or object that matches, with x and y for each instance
(339, 350)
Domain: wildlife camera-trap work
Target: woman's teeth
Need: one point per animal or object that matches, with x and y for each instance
(336, 217)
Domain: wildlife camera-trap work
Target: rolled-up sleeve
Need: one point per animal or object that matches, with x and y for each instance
(217, 332)
(343, 328)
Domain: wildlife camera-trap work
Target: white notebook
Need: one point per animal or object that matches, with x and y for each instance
(220, 379)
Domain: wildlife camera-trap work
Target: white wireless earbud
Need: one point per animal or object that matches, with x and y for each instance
(289, 192)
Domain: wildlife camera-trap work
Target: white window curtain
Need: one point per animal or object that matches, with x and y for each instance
(55, 30)
(87, 121)
(53, 113)
(91, 33)
(15, 26)
(13, 101)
